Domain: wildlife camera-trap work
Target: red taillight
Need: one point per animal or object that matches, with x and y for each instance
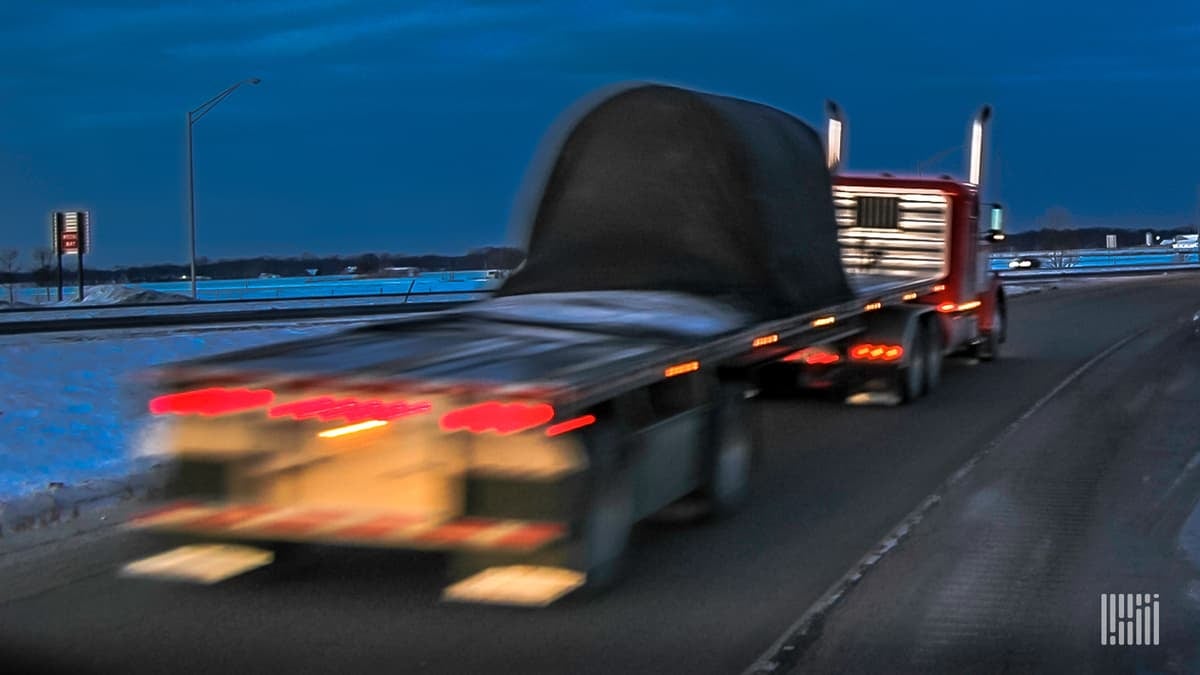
(211, 401)
(327, 408)
(570, 425)
(504, 418)
(871, 352)
(813, 357)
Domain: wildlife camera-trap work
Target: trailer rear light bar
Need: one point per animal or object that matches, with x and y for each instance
(327, 408)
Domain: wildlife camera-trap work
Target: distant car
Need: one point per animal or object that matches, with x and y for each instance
(1024, 263)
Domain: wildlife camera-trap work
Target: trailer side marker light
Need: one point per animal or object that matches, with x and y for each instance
(504, 418)
(211, 401)
(910, 296)
(872, 352)
(947, 307)
(966, 306)
(872, 306)
(351, 428)
(765, 340)
(939, 288)
(682, 368)
(570, 425)
(824, 321)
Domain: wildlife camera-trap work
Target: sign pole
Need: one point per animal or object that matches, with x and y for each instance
(81, 275)
(60, 279)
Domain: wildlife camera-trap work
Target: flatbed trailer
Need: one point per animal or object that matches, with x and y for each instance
(528, 433)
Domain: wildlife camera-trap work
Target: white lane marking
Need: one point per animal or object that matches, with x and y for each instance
(771, 659)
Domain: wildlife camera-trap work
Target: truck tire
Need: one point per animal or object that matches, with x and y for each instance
(606, 518)
(910, 379)
(604, 532)
(989, 349)
(934, 355)
(732, 454)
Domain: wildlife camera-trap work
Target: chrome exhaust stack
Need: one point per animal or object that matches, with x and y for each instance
(835, 144)
(975, 158)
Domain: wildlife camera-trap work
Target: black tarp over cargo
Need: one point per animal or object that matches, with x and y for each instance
(661, 188)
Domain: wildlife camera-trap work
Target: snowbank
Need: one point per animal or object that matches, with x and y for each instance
(116, 294)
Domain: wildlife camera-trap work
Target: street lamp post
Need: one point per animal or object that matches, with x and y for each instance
(192, 117)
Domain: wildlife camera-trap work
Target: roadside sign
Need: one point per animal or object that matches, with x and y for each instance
(71, 232)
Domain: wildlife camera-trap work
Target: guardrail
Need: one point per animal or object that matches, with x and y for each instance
(370, 298)
(107, 317)
(1095, 271)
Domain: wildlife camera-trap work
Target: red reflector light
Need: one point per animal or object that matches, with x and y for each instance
(870, 352)
(570, 425)
(212, 401)
(504, 418)
(947, 307)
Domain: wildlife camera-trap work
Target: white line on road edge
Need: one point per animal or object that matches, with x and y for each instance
(786, 648)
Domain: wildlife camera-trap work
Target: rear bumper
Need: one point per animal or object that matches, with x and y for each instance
(352, 527)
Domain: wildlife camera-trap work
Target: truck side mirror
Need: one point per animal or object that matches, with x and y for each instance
(996, 226)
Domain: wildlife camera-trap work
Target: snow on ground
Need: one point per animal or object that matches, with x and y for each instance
(114, 294)
(65, 399)
(72, 310)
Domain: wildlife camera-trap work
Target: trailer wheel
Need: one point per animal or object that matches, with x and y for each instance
(604, 536)
(910, 380)
(607, 515)
(731, 457)
(934, 356)
(989, 349)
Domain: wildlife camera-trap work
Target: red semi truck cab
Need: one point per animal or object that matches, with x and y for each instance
(920, 227)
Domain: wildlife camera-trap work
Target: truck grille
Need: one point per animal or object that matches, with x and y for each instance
(891, 232)
(882, 212)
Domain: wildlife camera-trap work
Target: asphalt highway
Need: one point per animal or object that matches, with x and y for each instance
(707, 598)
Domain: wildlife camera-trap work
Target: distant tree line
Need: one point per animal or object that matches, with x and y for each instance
(1088, 237)
(42, 272)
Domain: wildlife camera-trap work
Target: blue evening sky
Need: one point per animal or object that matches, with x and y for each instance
(406, 126)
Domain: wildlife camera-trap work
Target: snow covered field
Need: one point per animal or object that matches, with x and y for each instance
(288, 287)
(64, 410)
